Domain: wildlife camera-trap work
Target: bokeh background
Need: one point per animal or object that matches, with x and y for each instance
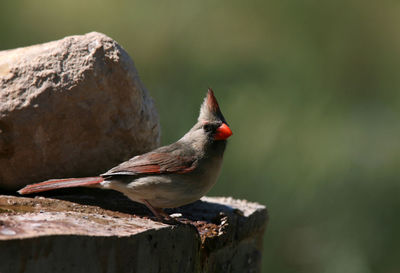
(310, 89)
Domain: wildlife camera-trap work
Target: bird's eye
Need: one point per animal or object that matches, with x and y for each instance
(207, 127)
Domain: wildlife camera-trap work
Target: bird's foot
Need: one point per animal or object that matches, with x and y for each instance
(170, 221)
(161, 215)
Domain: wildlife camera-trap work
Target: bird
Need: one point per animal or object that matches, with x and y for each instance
(169, 176)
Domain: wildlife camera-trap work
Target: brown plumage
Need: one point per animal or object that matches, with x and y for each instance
(169, 176)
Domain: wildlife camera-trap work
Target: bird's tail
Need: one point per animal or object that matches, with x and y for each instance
(60, 184)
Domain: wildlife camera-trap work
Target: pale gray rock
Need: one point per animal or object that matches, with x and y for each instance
(71, 108)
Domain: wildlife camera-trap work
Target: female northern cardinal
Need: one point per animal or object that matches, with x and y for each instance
(170, 176)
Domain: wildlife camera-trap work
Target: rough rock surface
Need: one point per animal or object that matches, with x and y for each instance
(71, 108)
(89, 230)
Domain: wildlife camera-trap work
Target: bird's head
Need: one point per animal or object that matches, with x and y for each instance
(212, 120)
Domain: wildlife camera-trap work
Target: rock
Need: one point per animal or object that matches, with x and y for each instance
(95, 231)
(71, 108)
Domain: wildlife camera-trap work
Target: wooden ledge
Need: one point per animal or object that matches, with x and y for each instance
(86, 230)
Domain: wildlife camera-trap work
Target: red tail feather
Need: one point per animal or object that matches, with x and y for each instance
(60, 184)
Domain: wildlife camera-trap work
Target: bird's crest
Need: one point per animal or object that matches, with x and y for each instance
(209, 110)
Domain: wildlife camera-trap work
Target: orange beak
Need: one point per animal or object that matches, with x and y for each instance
(223, 132)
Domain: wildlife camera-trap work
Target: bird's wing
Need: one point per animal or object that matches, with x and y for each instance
(154, 163)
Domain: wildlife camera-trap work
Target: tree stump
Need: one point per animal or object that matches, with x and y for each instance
(90, 230)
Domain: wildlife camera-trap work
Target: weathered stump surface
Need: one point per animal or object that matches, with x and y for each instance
(71, 108)
(85, 230)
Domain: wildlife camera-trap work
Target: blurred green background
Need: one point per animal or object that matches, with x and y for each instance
(310, 89)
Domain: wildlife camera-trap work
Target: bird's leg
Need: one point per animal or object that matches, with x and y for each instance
(156, 211)
(160, 214)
